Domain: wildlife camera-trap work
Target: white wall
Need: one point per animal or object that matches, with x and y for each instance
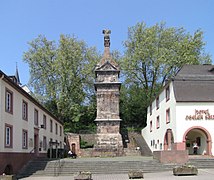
(178, 123)
(19, 124)
(158, 134)
(184, 109)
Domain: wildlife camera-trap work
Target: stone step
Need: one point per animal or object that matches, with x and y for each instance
(204, 162)
(69, 167)
(122, 165)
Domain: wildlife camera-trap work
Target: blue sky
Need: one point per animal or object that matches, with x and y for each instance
(23, 20)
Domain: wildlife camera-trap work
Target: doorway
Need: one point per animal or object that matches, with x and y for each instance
(168, 139)
(36, 142)
(200, 136)
(73, 148)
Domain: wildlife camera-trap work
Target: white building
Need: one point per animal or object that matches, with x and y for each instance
(27, 128)
(183, 112)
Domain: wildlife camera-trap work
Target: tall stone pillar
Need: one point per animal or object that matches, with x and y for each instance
(107, 86)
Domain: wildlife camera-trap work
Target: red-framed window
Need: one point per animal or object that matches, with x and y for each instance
(151, 126)
(24, 139)
(157, 103)
(56, 128)
(36, 117)
(44, 143)
(158, 122)
(44, 121)
(60, 130)
(8, 136)
(168, 116)
(51, 125)
(24, 110)
(150, 109)
(8, 101)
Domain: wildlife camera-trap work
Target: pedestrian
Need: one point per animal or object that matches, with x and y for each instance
(195, 148)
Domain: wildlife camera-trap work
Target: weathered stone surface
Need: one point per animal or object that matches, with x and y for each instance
(74, 143)
(107, 88)
(7, 177)
(135, 174)
(185, 170)
(83, 176)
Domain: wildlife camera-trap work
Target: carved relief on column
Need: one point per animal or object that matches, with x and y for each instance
(108, 105)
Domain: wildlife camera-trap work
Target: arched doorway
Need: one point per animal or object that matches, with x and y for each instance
(168, 139)
(73, 148)
(201, 136)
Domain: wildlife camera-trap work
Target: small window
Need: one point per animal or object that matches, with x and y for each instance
(56, 128)
(9, 101)
(167, 93)
(157, 102)
(44, 143)
(51, 126)
(24, 139)
(161, 146)
(50, 142)
(150, 109)
(24, 110)
(150, 126)
(168, 116)
(8, 136)
(60, 130)
(36, 117)
(44, 122)
(158, 122)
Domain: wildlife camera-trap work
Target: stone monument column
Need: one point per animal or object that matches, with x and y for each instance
(107, 86)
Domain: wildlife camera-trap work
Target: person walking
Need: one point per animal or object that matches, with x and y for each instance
(195, 148)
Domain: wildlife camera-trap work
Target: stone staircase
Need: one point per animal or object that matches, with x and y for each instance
(202, 162)
(116, 165)
(141, 143)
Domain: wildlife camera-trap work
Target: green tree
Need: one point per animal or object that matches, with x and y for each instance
(154, 54)
(61, 74)
(132, 111)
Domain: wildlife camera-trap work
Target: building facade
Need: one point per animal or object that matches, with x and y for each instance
(183, 113)
(27, 128)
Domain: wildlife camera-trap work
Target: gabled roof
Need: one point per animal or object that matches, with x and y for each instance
(106, 66)
(107, 58)
(10, 81)
(194, 83)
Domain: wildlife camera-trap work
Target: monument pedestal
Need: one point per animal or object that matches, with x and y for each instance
(107, 87)
(108, 139)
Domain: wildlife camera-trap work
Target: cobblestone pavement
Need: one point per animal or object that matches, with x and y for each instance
(205, 174)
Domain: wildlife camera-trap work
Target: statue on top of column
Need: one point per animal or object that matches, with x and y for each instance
(107, 33)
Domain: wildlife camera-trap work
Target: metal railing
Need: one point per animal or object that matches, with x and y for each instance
(58, 165)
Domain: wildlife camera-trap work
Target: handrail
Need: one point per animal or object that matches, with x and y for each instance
(58, 166)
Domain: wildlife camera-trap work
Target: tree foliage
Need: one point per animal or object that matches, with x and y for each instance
(62, 74)
(132, 100)
(154, 54)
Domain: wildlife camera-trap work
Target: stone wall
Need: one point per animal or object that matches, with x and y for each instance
(14, 162)
(89, 138)
(172, 156)
(74, 143)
